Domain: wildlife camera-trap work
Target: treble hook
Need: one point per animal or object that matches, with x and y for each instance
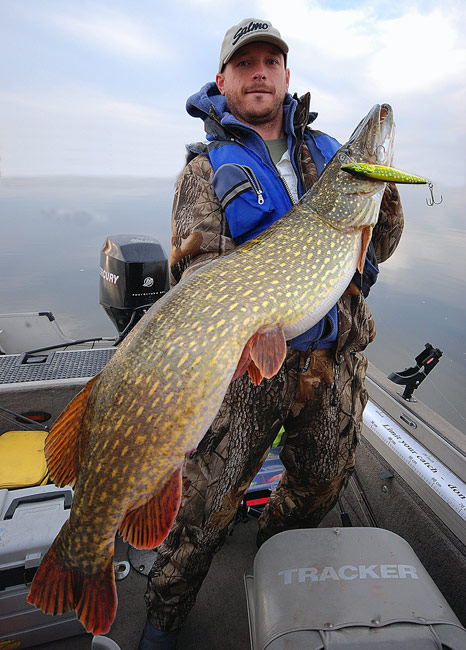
(433, 201)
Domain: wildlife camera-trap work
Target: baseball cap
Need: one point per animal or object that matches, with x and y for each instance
(247, 31)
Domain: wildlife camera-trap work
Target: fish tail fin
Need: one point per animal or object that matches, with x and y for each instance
(58, 588)
(52, 586)
(64, 443)
(97, 604)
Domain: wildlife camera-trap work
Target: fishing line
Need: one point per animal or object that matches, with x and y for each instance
(363, 513)
(446, 398)
(364, 500)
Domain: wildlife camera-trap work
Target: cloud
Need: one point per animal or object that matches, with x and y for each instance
(109, 30)
(79, 130)
(338, 35)
(79, 102)
(89, 113)
(428, 53)
(410, 55)
(414, 51)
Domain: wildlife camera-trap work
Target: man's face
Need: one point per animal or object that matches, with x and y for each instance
(254, 82)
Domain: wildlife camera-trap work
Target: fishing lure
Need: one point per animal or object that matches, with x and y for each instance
(382, 173)
(389, 175)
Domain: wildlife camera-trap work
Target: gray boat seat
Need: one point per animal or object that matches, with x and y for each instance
(346, 589)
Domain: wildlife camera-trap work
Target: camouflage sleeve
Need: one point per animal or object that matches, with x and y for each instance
(199, 228)
(387, 232)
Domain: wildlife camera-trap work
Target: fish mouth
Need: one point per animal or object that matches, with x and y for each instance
(386, 136)
(372, 140)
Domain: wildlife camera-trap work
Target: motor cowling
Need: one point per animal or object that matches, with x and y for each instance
(133, 275)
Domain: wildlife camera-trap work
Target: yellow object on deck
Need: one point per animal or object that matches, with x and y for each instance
(22, 457)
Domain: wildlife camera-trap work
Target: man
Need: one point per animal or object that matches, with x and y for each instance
(260, 157)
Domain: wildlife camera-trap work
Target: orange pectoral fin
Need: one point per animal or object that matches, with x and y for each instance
(148, 525)
(365, 241)
(63, 444)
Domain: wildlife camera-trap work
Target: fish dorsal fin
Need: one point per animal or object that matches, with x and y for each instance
(267, 348)
(64, 445)
(149, 524)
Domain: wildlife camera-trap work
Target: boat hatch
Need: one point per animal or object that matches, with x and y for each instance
(69, 364)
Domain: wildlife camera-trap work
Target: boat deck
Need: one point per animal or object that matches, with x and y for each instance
(219, 618)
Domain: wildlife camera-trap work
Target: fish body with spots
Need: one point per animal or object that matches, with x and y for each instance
(122, 440)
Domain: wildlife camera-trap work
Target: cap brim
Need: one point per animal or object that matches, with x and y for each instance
(274, 40)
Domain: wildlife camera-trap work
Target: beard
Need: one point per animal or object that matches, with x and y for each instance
(252, 109)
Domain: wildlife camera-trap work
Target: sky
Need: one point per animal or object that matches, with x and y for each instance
(98, 87)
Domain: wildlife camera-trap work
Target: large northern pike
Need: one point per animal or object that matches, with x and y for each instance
(121, 441)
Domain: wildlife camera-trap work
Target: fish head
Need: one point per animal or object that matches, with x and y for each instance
(347, 202)
(372, 140)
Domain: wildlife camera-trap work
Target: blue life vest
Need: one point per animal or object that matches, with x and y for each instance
(253, 196)
(250, 191)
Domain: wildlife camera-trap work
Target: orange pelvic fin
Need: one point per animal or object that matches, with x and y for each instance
(246, 364)
(57, 588)
(263, 354)
(254, 373)
(243, 363)
(267, 348)
(64, 444)
(148, 525)
(365, 241)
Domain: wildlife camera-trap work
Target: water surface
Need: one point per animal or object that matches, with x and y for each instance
(54, 227)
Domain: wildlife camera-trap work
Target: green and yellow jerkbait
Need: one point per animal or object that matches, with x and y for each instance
(382, 173)
(122, 440)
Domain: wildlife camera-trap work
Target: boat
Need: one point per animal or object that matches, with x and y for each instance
(408, 483)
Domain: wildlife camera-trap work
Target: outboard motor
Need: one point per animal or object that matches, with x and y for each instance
(133, 275)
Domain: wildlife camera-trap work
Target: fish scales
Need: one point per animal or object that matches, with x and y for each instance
(121, 442)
